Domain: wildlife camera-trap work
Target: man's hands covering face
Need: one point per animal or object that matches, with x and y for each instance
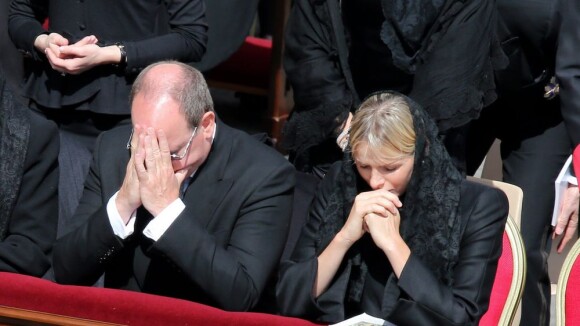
(150, 180)
(158, 183)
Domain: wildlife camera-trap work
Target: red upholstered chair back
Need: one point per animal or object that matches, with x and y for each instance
(568, 290)
(509, 278)
(501, 285)
(29, 300)
(247, 70)
(511, 270)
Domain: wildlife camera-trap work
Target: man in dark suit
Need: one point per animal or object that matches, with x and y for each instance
(28, 187)
(220, 243)
(79, 71)
(534, 141)
(568, 73)
(568, 67)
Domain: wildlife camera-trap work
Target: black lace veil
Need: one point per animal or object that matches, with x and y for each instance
(14, 134)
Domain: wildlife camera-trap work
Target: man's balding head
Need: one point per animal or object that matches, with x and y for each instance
(183, 83)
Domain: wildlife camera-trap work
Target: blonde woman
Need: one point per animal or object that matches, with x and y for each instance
(395, 231)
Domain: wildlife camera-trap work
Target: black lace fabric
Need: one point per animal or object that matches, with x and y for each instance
(308, 128)
(14, 133)
(452, 48)
(429, 219)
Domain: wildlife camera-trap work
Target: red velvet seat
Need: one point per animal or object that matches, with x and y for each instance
(247, 70)
(501, 285)
(508, 285)
(29, 300)
(568, 289)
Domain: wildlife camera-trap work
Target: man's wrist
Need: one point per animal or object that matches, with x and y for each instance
(162, 221)
(155, 210)
(125, 211)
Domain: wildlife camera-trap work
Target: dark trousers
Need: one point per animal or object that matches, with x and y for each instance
(534, 147)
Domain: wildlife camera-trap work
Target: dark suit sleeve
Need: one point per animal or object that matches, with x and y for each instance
(80, 256)
(568, 67)
(428, 301)
(298, 275)
(186, 40)
(235, 275)
(33, 223)
(24, 24)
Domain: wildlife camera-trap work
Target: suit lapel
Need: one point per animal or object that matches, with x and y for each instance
(209, 185)
(205, 197)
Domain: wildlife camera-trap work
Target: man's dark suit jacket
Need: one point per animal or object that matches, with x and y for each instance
(221, 250)
(568, 67)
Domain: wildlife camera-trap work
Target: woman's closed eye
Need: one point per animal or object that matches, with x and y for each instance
(390, 168)
(384, 169)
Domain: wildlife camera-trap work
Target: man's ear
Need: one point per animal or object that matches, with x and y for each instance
(208, 123)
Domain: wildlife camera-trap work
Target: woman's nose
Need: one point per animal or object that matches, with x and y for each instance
(377, 181)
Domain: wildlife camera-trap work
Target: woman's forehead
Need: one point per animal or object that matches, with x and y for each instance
(375, 156)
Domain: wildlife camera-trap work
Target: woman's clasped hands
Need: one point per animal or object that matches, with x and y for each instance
(375, 212)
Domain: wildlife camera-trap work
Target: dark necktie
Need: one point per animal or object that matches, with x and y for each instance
(184, 187)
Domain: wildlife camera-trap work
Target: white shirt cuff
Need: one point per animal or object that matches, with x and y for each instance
(157, 226)
(568, 174)
(119, 228)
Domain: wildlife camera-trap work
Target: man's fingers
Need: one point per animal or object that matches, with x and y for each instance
(140, 160)
(564, 242)
(561, 223)
(570, 232)
(151, 150)
(163, 144)
(563, 217)
(165, 157)
(137, 131)
(152, 143)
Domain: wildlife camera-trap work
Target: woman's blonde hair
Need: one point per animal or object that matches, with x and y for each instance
(383, 122)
